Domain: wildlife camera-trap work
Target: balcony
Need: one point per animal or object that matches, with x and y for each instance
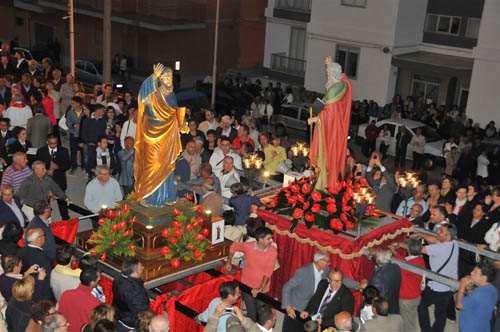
(295, 10)
(283, 64)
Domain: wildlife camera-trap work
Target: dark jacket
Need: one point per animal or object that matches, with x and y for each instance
(232, 134)
(342, 301)
(6, 98)
(9, 248)
(18, 147)
(242, 204)
(61, 159)
(402, 141)
(384, 194)
(387, 279)
(6, 213)
(18, 315)
(39, 127)
(49, 247)
(30, 256)
(34, 189)
(92, 129)
(129, 299)
(92, 160)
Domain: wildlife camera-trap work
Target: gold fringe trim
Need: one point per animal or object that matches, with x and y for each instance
(334, 251)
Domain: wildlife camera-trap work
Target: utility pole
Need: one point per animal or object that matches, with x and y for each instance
(214, 70)
(71, 36)
(106, 57)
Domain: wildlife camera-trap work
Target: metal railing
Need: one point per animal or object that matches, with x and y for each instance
(284, 64)
(300, 5)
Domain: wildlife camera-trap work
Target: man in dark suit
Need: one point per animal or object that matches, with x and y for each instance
(42, 211)
(11, 207)
(5, 94)
(225, 128)
(301, 287)
(330, 298)
(57, 162)
(39, 127)
(403, 138)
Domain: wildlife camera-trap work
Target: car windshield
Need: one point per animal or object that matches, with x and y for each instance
(429, 134)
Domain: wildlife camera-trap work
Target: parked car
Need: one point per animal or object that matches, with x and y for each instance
(88, 72)
(434, 142)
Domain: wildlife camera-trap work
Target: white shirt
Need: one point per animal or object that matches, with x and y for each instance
(492, 237)
(317, 277)
(226, 180)
(216, 160)
(263, 329)
(332, 294)
(458, 205)
(129, 128)
(13, 206)
(18, 116)
(482, 166)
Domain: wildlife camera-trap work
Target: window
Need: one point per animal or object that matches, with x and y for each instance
(443, 24)
(348, 57)
(473, 28)
(354, 3)
(292, 112)
(297, 43)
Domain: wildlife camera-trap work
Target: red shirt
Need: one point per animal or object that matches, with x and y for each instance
(410, 282)
(257, 263)
(48, 105)
(237, 142)
(76, 305)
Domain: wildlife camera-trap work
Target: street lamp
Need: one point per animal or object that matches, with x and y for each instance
(214, 70)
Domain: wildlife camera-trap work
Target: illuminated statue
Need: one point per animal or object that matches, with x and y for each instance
(158, 142)
(329, 145)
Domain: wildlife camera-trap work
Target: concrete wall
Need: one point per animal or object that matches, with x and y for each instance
(277, 39)
(410, 22)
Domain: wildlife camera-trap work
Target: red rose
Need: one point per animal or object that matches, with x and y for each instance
(102, 221)
(175, 263)
(349, 225)
(292, 200)
(200, 209)
(331, 208)
(334, 222)
(133, 220)
(122, 225)
(295, 188)
(197, 254)
(204, 231)
(343, 217)
(178, 232)
(118, 213)
(301, 198)
(165, 251)
(200, 220)
(199, 237)
(332, 191)
(330, 200)
(110, 213)
(113, 243)
(176, 212)
(126, 208)
(94, 252)
(271, 205)
(165, 233)
(100, 237)
(297, 213)
(309, 217)
(188, 228)
(177, 224)
(306, 188)
(306, 206)
(194, 224)
(190, 246)
(127, 233)
(114, 228)
(103, 257)
(316, 196)
(174, 240)
(316, 208)
(131, 246)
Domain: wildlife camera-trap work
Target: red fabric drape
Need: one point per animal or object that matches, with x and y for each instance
(107, 288)
(292, 254)
(197, 298)
(65, 229)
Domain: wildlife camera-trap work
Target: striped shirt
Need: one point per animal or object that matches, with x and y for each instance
(15, 177)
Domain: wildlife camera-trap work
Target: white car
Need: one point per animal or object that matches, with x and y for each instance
(434, 142)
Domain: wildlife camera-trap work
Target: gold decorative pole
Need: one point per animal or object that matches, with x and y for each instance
(310, 131)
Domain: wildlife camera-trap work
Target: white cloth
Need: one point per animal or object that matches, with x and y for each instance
(366, 313)
(482, 166)
(263, 108)
(492, 237)
(226, 180)
(128, 129)
(18, 116)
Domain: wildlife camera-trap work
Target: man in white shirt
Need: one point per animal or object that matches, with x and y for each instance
(210, 122)
(227, 176)
(103, 190)
(460, 200)
(19, 114)
(482, 165)
(130, 126)
(218, 156)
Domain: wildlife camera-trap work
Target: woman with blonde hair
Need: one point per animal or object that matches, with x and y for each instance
(102, 311)
(18, 313)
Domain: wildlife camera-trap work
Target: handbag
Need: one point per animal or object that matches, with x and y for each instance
(62, 123)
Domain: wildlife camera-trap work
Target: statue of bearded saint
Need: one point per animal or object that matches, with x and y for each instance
(157, 139)
(329, 145)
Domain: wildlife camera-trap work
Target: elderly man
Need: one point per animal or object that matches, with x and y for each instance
(301, 287)
(343, 321)
(42, 211)
(16, 173)
(55, 323)
(418, 197)
(39, 187)
(11, 207)
(210, 123)
(227, 176)
(226, 129)
(225, 151)
(129, 295)
(57, 162)
(330, 298)
(193, 158)
(229, 295)
(103, 190)
(210, 200)
(416, 215)
(159, 324)
(260, 258)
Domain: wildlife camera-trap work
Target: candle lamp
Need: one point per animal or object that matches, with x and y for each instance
(407, 184)
(362, 199)
(252, 165)
(208, 213)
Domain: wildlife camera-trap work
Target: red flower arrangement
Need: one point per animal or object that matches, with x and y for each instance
(329, 209)
(186, 240)
(114, 235)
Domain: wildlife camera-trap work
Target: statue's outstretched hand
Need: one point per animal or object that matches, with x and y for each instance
(158, 70)
(328, 60)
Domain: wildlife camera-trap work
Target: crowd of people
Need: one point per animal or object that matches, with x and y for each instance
(41, 113)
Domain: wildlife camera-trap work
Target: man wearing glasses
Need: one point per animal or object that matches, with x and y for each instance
(55, 323)
(217, 158)
(300, 288)
(330, 298)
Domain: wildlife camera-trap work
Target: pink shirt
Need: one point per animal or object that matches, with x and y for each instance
(257, 263)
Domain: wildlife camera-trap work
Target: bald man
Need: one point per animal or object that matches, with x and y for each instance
(343, 321)
(159, 323)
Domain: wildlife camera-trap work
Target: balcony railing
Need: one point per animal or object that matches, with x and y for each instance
(284, 64)
(299, 5)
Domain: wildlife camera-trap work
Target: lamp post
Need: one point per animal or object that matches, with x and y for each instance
(214, 70)
(407, 184)
(362, 200)
(71, 18)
